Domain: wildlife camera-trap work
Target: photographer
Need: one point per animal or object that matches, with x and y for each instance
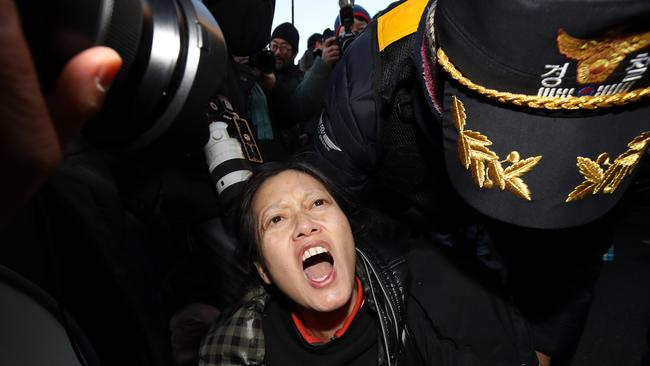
(295, 98)
(314, 49)
(361, 20)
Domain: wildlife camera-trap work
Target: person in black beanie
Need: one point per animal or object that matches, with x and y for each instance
(295, 98)
(284, 45)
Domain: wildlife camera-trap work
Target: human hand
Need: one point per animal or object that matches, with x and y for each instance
(544, 360)
(267, 81)
(241, 59)
(33, 127)
(331, 51)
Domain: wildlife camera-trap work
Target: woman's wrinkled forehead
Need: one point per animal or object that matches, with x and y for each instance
(286, 184)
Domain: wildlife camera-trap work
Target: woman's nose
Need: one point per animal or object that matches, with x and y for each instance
(305, 226)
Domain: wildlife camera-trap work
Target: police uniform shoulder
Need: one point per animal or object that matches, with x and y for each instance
(399, 22)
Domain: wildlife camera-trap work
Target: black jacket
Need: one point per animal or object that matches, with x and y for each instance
(430, 312)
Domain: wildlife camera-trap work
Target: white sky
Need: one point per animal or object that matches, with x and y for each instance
(313, 16)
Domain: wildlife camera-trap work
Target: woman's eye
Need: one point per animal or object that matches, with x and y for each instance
(275, 219)
(319, 202)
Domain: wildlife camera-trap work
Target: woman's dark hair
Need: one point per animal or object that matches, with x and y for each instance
(248, 235)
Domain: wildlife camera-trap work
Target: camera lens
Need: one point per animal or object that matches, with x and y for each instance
(174, 60)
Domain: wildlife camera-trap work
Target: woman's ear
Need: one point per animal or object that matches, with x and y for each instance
(262, 272)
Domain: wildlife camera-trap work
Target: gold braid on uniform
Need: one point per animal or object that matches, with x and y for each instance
(534, 101)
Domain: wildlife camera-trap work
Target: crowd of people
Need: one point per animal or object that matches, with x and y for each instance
(431, 188)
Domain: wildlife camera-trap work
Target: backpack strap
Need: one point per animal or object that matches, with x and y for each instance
(410, 172)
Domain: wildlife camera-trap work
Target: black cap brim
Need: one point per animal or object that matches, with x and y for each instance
(557, 138)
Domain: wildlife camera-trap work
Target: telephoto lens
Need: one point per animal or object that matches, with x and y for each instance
(174, 59)
(346, 3)
(224, 153)
(346, 14)
(226, 162)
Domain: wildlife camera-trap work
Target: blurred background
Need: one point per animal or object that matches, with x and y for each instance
(312, 16)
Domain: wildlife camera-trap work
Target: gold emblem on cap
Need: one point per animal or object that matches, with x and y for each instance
(599, 181)
(485, 165)
(537, 102)
(597, 60)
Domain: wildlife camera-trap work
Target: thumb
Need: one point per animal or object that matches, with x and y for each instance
(330, 41)
(81, 89)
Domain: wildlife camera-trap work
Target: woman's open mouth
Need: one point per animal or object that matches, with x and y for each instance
(317, 264)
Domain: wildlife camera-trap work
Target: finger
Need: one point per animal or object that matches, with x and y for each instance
(332, 48)
(80, 90)
(29, 148)
(336, 46)
(330, 41)
(335, 54)
(24, 113)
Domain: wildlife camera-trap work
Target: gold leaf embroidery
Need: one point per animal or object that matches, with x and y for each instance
(584, 189)
(518, 187)
(478, 172)
(495, 173)
(596, 181)
(464, 152)
(612, 179)
(458, 113)
(521, 167)
(640, 142)
(590, 169)
(598, 59)
(484, 164)
(476, 138)
(459, 116)
(482, 153)
(603, 159)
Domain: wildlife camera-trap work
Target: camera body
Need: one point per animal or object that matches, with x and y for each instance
(345, 39)
(264, 61)
(346, 17)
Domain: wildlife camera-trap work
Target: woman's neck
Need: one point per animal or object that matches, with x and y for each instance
(325, 325)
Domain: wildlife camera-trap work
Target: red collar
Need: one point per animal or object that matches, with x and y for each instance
(313, 340)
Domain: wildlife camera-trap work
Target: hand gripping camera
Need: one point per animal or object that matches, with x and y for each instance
(174, 60)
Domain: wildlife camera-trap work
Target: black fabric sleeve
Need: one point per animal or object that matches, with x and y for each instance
(285, 112)
(552, 274)
(345, 142)
(431, 348)
(459, 316)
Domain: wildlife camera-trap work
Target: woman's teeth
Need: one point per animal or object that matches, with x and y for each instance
(312, 252)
